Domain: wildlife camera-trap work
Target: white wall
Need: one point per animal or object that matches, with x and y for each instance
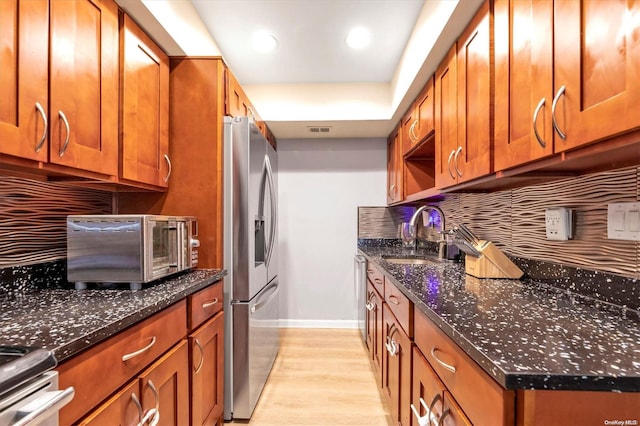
(320, 185)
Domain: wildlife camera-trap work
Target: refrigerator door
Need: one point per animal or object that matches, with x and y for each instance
(271, 214)
(255, 346)
(248, 223)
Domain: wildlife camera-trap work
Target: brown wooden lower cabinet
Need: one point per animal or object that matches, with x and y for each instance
(162, 387)
(375, 336)
(427, 390)
(207, 372)
(396, 377)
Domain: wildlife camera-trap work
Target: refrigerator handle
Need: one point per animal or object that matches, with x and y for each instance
(274, 210)
(273, 286)
(262, 248)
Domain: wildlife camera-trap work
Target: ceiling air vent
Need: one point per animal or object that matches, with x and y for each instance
(314, 129)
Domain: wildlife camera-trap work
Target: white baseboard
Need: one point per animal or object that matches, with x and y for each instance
(293, 323)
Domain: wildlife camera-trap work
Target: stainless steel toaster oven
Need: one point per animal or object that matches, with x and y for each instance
(133, 249)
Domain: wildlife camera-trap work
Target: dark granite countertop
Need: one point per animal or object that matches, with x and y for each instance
(526, 335)
(67, 321)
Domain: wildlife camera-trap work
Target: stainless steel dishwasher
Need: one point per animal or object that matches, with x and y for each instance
(361, 293)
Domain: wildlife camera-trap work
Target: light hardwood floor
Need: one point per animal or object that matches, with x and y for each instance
(321, 377)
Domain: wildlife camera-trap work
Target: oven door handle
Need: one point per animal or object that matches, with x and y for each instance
(44, 406)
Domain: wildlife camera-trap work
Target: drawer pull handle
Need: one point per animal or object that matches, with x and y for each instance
(393, 299)
(377, 281)
(136, 401)
(390, 344)
(200, 348)
(444, 364)
(206, 305)
(166, 158)
(127, 357)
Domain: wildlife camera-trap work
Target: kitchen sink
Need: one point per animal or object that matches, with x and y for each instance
(412, 260)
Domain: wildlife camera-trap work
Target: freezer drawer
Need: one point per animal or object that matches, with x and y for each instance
(255, 346)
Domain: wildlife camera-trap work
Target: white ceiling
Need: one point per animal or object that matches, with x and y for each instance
(311, 38)
(312, 78)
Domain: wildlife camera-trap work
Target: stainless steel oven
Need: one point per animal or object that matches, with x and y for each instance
(131, 249)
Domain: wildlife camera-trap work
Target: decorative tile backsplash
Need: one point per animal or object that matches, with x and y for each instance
(33, 218)
(514, 220)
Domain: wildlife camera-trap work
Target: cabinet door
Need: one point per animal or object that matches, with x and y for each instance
(24, 37)
(524, 85)
(207, 371)
(394, 167)
(424, 111)
(446, 122)
(145, 107)
(409, 135)
(84, 85)
(473, 156)
(237, 102)
(122, 409)
(165, 386)
(597, 62)
(426, 386)
(397, 369)
(452, 414)
(375, 331)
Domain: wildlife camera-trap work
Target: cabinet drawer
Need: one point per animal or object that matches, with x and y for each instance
(99, 371)
(204, 304)
(480, 397)
(376, 277)
(401, 307)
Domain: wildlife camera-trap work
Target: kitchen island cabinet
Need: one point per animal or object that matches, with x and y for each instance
(514, 352)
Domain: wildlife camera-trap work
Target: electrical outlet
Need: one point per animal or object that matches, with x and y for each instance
(559, 223)
(623, 221)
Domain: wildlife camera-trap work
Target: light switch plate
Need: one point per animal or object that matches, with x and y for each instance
(623, 221)
(559, 223)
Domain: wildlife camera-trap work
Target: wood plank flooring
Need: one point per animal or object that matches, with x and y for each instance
(321, 377)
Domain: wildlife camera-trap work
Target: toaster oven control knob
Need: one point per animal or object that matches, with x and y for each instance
(195, 242)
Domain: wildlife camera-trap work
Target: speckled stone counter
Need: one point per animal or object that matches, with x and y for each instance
(525, 334)
(67, 321)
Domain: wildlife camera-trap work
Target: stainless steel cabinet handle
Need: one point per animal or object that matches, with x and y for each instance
(209, 304)
(201, 349)
(156, 418)
(370, 305)
(166, 158)
(449, 164)
(127, 357)
(412, 134)
(47, 408)
(136, 401)
(390, 344)
(46, 127)
(393, 299)
(553, 113)
(440, 421)
(66, 125)
(535, 123)
(424, 420)
(455, 161)
(444, 364)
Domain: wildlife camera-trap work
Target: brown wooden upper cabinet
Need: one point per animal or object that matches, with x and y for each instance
(577, 87)
(24, 36)
(463, 105)
(144, 132)
(418, 122)
(394, 167)
(83, 85)
(59, 82)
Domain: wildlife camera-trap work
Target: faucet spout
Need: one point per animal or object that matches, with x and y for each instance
(445, 250)
(416, 215)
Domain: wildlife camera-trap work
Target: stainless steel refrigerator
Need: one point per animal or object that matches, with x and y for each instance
(251, 258)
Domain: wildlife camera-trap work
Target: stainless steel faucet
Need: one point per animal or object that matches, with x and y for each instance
(445, 250)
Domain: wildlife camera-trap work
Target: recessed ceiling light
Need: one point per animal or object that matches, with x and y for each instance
(358, 38)
(264, 42)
